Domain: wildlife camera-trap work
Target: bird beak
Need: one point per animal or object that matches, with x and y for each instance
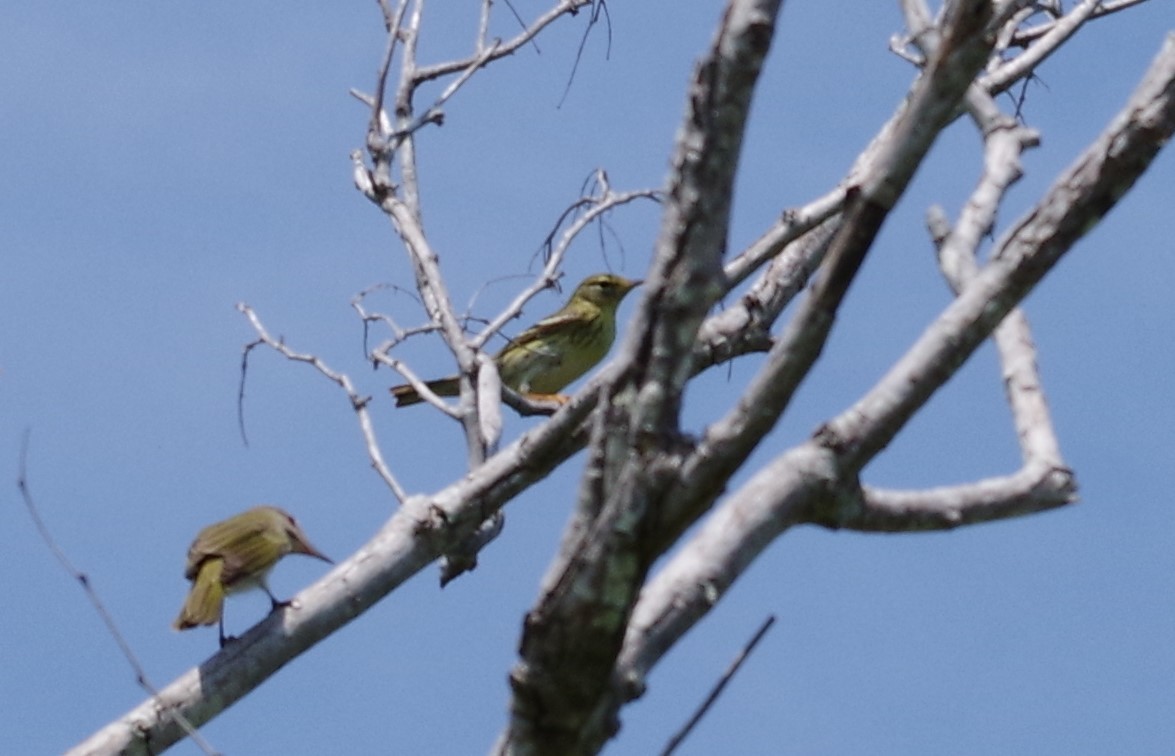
(302, 546)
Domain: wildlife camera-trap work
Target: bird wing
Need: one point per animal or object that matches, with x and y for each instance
(245, 549)
(532, 355)
(545, 327)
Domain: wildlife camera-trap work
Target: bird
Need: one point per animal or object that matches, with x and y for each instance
(555, 351)
(235, 555)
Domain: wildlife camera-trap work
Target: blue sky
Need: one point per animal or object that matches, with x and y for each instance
(162, 162)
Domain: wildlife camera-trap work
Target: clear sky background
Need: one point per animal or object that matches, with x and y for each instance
(160, 162)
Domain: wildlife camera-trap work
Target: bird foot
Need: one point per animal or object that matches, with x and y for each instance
(275, 605)
(559, 399)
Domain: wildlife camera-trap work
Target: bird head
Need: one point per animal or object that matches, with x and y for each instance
(299, 543)
(604, 289)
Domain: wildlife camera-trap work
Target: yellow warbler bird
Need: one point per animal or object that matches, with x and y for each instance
(235, 555)
(558, 349)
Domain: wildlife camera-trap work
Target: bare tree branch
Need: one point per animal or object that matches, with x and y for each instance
(1079, 197)
(815, 482)
(929, 107)
(594, 208)
(600, 626)
(1025, 37)
(1002, 75)
(342, 380)
(571, 637)
(502, 49)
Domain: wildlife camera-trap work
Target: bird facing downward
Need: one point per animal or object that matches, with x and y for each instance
(235, 555)
(557, 350)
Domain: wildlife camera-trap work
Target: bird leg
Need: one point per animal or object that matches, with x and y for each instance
(274, 603)
(224, 639)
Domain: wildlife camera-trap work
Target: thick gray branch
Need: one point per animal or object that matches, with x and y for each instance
(421, 530)
(1072, 206)
(882, 179)
(810, 484)
(571, 638)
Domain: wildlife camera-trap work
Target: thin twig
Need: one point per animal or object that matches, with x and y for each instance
(1009, 72)
(681, 734)
(566, 7)
(468, 316)
(241, 389)
(386, 9)
(483, 25)
(22, 483)
(399, 333)
(595, 17)
(382, 356)
(1024, 37)
(521, 23)
(379, 119)
(342, 380)
(792, 224)
(435, 113)
(601, 204)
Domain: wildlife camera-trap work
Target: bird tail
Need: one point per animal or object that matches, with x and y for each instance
(206, 599)
(406, 395)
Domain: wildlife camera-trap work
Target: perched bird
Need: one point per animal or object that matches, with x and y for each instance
(555, 351)
(235, 555)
